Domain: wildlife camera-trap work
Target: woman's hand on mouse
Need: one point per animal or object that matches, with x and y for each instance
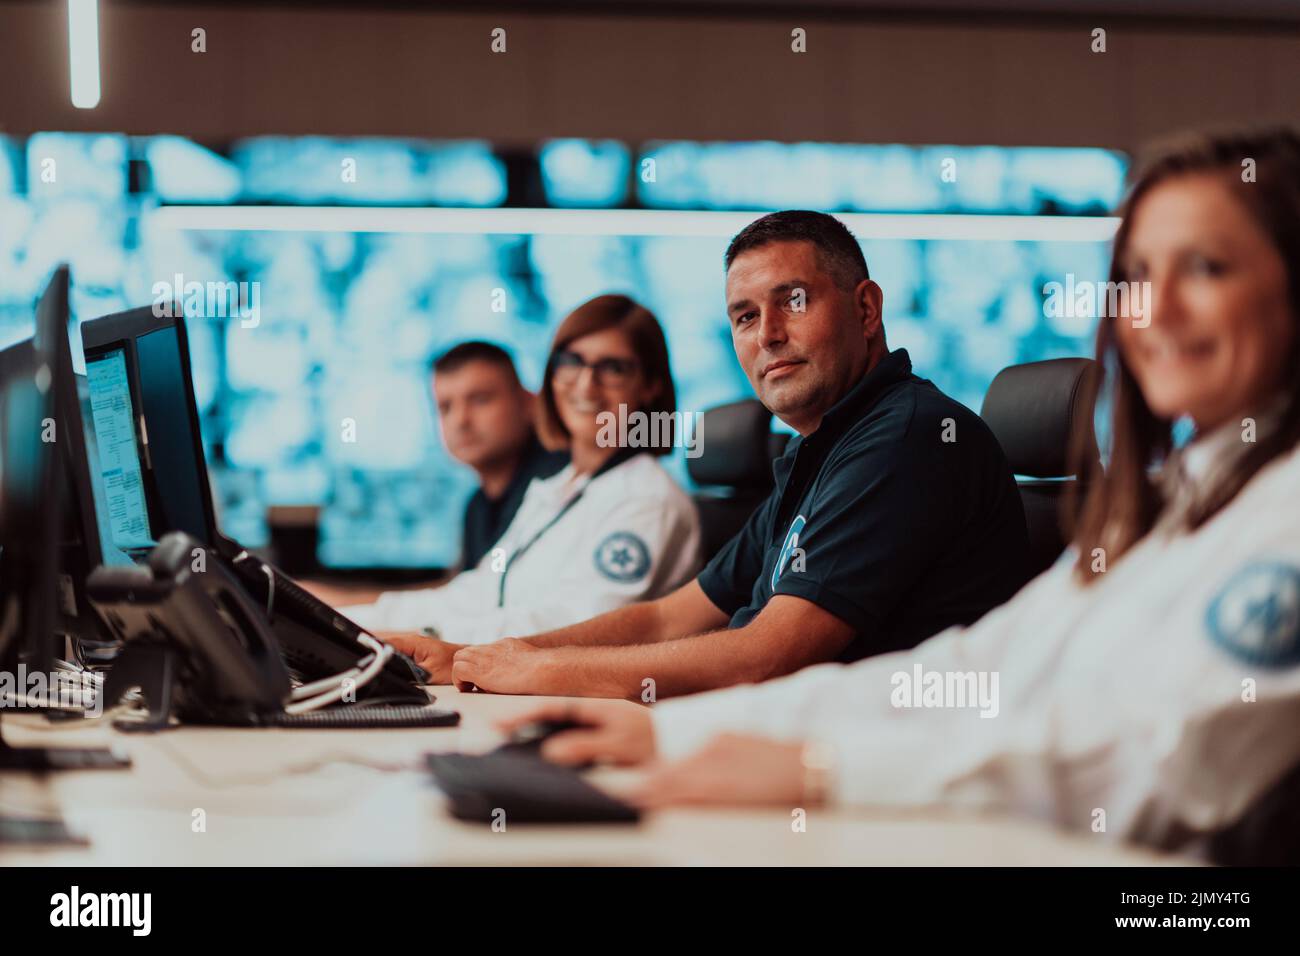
(612, 731)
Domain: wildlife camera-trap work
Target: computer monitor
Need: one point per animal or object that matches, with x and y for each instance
(66, 507)
(48, 532)
(154, 479)
(80, 547)
(29, 500)
(138, 372)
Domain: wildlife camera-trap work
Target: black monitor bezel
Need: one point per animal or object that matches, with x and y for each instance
(81, 549)
(29, 526)
(121, 330)
(35, 556)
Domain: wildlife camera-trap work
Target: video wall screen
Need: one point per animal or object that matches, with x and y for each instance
(325, 293)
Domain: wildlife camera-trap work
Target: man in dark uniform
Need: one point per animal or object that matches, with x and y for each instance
(486, 417)
(895, 514)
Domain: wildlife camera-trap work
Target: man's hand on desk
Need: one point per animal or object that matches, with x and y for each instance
(507, 666)
(613, 731)
(433, 655)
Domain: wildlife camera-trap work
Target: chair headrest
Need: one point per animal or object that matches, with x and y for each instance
(1034, 408)
(736, 446)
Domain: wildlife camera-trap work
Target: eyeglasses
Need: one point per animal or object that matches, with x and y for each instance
(566, 368)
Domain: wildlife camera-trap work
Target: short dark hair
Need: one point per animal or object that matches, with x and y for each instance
(461, 355)
(837, 248)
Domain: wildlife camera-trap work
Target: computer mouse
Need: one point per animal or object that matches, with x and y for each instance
(527, 740)
(531, 736)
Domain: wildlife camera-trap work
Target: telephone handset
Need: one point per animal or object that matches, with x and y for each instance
(193, 640)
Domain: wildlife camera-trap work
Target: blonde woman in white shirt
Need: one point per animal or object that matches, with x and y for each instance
(1153, 674)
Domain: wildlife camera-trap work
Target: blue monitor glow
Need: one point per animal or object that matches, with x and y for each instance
(325, 401)
(138, 363)
(120, 479)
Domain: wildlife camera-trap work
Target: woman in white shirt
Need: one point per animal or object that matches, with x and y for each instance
(1148, 685)
(611, 528)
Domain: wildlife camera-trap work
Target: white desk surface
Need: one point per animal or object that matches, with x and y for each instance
(270, 799)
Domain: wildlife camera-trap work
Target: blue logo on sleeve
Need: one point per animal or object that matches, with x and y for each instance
(1256, 616)
(623, 557)
(788, 548)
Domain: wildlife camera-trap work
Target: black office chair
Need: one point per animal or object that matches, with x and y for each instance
(734, 469)
(1033, 410)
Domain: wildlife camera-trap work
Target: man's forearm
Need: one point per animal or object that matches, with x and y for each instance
(634, 624)
(666, 669)
(789, 634)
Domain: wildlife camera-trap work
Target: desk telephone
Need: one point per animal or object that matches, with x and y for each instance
(217, 636)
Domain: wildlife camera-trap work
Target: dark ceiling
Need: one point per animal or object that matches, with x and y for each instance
(1280, 11)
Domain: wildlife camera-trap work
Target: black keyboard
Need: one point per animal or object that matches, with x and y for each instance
(526, 788)
(377, 717)
(38, 832)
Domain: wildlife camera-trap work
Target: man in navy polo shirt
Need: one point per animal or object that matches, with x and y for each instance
(895, 514)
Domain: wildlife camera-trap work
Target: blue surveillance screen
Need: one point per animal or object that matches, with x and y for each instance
(119, 454)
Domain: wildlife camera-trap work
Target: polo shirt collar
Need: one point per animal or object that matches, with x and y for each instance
(893, 368)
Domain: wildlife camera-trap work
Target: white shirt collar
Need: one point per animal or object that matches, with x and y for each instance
(1208, 454)
(1207, 459)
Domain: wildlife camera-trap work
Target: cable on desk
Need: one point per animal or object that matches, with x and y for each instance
(197, 774)
(360, 675)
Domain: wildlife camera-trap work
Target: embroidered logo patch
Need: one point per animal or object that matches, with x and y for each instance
(788, 548)
(623, 557)
(1256, 615)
